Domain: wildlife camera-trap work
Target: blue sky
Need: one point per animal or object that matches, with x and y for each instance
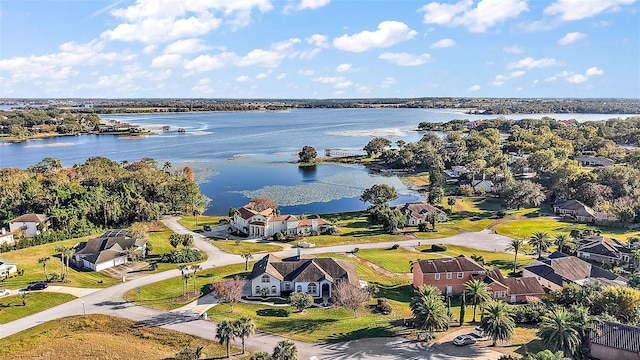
(319, 48)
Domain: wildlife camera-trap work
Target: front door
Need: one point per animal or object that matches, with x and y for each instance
(325, 290)
(449, 290)
(513, 298)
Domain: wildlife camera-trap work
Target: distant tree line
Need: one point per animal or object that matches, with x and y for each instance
(22, 123)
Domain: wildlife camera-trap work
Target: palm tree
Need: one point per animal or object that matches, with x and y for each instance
(195, 269)
(62, 251)
(285, 350)
(540, 240)
(561, 240)
(477, 293)
(497, 321)
(43, 261)
(225, 333)
(182, 268)
(247, 256)
(429, 311)
(515, 245)
(558, 331)
(67, 254)
(260, 355)
(245, 327)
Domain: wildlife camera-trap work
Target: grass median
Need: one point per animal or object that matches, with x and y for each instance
(11, 307)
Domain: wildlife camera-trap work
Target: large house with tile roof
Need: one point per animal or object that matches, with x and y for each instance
(447, 274)
(107, 250)
(417, 212)
(511, 290)
(604, 250)
(267, 222)
(274, 277)
(559, 268)
(29, 224)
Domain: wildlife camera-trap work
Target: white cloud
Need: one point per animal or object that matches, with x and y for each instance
(405, 59)
(261, 76)
(208, 62)
(387, 82)
(187, 46)
(282, 76)
(513, 49)
(166, 61)
(203, 86)
(149, 49)
(501, 79)
(154, 21)
(305, 4)
(443, 43)
(344, 84)
(306, 72)
(318, 40)
(531, 63)
(577, 78)
(571, 38)
(474, 88)
(343, 67)
(485, 15)
(569, 10)
(285, 45)
(266, 58)
(243, 78)
(330, 79)
(594, 71)
(388, 34)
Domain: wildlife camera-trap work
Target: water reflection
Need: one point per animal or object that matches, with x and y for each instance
(308, 172)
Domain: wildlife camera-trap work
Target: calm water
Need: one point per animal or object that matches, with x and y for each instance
(240, 155)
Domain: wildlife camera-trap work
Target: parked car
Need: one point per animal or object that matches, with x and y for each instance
(207, 228)
(37, 286)
(4, 292)
(462, 340)
(478, 333)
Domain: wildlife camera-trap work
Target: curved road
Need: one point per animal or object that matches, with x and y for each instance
(110, 301)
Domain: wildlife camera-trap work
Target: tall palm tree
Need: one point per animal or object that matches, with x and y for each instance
(195, 269)
(245, 327)
(558, 331)
(562, 240)
(477, 293)
(429, 311)
(43, 261)
(225, 333)
(62, 251)
(247, 256)
(540, 240)
(515, 245)
(497, 321)
(68, 252)
(285, 350)
(182, 268)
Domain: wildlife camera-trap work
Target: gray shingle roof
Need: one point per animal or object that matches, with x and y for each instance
(617, 336)
(305, 270)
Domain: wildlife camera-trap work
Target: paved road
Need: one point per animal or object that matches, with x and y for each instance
(110, 301)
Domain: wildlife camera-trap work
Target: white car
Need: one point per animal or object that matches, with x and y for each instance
(461, 340)
(4, 292)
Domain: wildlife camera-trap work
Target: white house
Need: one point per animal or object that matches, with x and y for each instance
(108, 250)
(267, 222)
(313, 276)
(30, 224)
(6, 237)
(7, 268)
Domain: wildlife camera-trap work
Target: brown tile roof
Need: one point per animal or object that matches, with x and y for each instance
(246, 213)
(523, 286)
(284, 218)
(37, 218)
(309, 222)
(457, 264)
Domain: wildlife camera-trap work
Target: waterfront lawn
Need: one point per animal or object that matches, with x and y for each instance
(27, 260)
(394, 260)
(11, 306)
(230, 246)
(110, 337)
(162, 295)
(315, 324)
(190, 221)
(499, 259)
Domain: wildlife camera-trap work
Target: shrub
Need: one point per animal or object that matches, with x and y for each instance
(355, 250)
(439, 247)
(181, 256)
(331, 230)
(314, 233)
(279, 236)
(478, 259)
(529, 313)
(501, 213)
(395, 246)
(383, 306)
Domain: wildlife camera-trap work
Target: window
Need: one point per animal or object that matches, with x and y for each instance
(448, 275)
(273, 289)
(500, 294)
(437, 276)
(257, 289)
(312, 288)
(287, 286)
(460, 275)
(265, 278)
(299, 288)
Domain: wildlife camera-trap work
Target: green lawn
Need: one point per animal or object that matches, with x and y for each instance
(230, 246)
(11, 306)
(498, 258)
(526, 227)
(27, 260)
(190, 221)
(314, 324)
(162, 295)
(441, 232)
(397, 260)
(367, 274)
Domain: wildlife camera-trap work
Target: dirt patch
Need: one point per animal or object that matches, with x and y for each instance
(187, 298)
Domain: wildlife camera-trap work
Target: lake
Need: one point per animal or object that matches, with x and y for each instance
(240, 155)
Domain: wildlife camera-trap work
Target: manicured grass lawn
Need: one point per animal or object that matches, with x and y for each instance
(314, 324)
(190, 221)
(441, 232)
(103, 337)
(499, 259)
(367, 274)
(27, 259)
(394, 260)
(162, 295)
(242, 247)
(11, 306)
